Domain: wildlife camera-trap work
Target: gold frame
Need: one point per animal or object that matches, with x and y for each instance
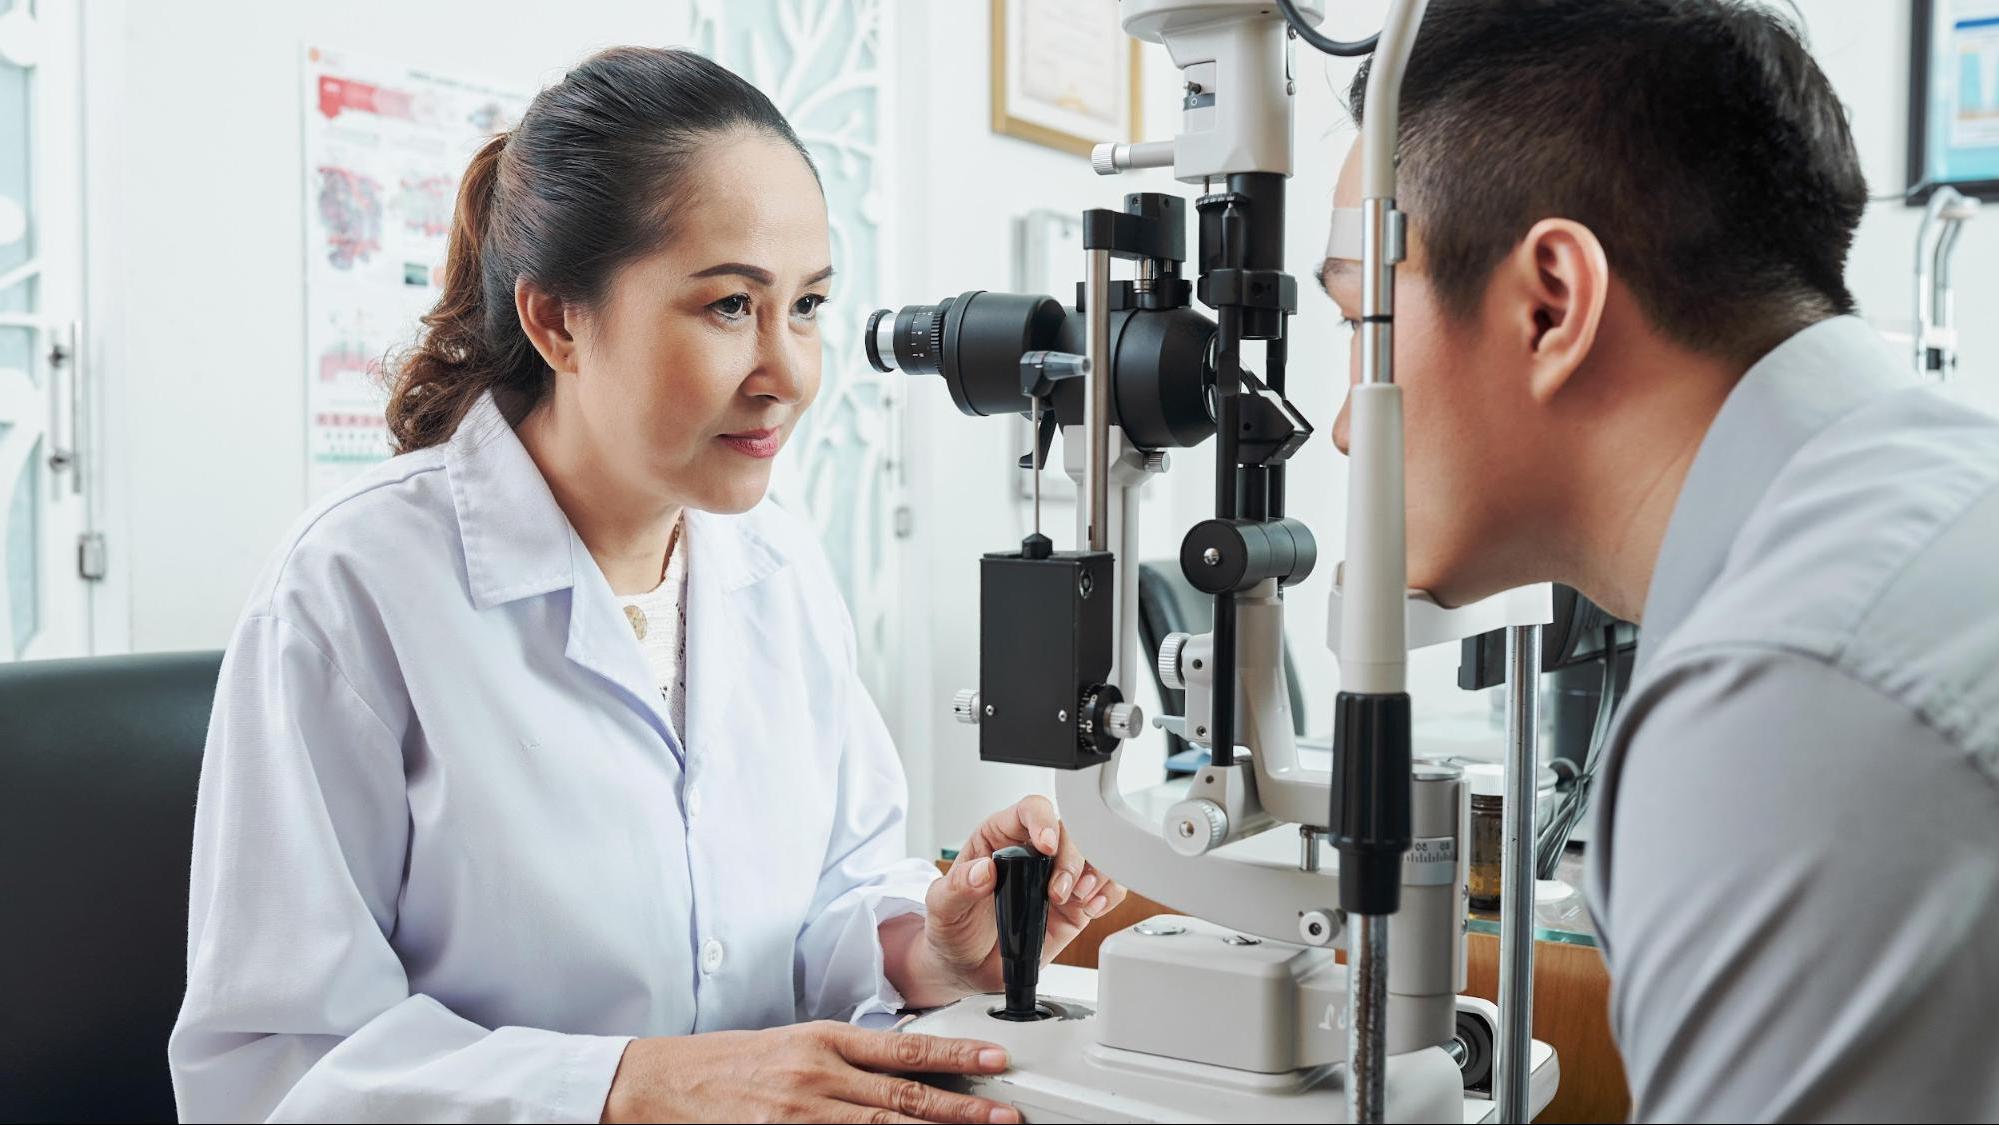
(1008, 125)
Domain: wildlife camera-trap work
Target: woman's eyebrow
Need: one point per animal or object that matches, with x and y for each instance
(756, 274)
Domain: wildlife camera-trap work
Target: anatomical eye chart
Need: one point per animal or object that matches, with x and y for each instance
(385, 145)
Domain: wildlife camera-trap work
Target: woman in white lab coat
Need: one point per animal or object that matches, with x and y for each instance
(540, 784)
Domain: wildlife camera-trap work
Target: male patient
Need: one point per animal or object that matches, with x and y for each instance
(1630, 364)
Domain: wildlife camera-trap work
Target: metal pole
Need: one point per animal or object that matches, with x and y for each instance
(1097, 404)
(1516, 895)
(1367, 1027)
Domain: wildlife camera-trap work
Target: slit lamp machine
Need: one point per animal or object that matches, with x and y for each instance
(1237, 1010)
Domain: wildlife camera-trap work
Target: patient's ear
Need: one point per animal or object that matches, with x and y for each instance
(1553, 287)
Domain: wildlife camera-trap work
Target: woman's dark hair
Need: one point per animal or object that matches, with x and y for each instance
(588, 181)
(1696, 138)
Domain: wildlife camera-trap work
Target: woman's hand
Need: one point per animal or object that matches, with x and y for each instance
(959, 949)
(807, 1072)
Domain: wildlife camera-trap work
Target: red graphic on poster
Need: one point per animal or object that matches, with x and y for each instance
(337, 94)
(425, 203)
(350, 206)
(348, 358)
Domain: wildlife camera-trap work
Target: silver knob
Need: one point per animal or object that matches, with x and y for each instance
(1196, 827)
(1319, 927)
(1169, 660)
(1124, 720)
(1156, 461)
(1103, 159)
(965, 705)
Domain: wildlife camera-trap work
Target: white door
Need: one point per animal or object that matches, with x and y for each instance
(46, 546)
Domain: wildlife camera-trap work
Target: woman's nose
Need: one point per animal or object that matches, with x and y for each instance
(785, 366)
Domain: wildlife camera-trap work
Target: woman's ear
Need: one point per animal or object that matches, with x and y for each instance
(1562, 279)
(546, 320)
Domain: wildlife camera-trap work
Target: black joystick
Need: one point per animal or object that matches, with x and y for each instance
(1020, 907)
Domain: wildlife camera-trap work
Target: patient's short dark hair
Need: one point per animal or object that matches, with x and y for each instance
(1697, 139)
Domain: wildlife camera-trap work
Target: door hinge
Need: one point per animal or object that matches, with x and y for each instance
(90, 560)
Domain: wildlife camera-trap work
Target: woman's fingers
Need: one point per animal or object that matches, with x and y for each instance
(1066, 920)
(914, 1101)
(960, 914)
(910, 1053)
(1032, 821)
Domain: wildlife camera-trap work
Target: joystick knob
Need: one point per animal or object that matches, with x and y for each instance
(1020, 908)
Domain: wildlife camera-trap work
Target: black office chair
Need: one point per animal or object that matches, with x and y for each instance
(1168, 603)
(99, 761)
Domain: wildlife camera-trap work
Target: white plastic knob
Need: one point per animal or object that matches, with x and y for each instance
(965, 705)
(1169, 660)
(1196, 827)
(1124, 720)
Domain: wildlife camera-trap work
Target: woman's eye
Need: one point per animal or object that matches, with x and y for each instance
(734, 307)
(808, 305)
(1352, 324)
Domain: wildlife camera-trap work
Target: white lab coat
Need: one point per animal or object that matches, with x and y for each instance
(449, 853)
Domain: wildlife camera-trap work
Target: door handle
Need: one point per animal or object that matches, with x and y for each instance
(66, 376)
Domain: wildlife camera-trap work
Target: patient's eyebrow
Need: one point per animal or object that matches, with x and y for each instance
(1336, 269)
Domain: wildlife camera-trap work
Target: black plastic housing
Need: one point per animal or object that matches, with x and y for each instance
(1044, 648)
(1369, 823)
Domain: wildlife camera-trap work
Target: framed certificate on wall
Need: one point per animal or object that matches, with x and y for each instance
(1954, 98)
(1065, 74)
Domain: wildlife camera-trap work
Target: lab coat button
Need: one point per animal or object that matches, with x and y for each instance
(693, 804)
(711, 956)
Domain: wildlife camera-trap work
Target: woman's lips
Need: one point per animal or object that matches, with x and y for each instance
(761, 444)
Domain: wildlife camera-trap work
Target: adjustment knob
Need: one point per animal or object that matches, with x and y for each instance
(1196, 827)
(1103, 159)
(1169, 660)
(1020, 913)
(965, 705)
(1124, 720)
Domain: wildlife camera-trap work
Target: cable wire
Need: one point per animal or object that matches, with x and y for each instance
(1554, 838)
(1312, 36)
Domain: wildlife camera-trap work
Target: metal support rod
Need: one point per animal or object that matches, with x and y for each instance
(1516, 896)
(1275, 355)
(1097, 404)
(1034, 435)
(1367, 1025)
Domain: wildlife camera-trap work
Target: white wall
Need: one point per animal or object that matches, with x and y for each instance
(200, 305)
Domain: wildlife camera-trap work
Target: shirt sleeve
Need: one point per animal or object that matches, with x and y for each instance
(867, 876)
(297, 1005)
(1803, 893)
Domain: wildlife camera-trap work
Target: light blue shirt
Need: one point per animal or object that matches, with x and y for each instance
(1796, 873)
(449, 852)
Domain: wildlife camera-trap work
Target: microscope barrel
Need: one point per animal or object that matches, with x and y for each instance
(1426, 962)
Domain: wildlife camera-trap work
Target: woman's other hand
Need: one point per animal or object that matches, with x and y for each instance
(807, 1072)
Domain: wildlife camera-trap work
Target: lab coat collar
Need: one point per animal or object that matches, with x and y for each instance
(518, 544)
(515, 536)
(1790, 395)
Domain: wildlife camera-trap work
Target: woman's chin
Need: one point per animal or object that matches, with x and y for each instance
(734, 497)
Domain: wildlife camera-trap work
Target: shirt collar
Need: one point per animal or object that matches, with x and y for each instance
(519, 544)
(1797, 390)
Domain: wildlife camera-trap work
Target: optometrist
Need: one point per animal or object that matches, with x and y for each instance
(540, 784)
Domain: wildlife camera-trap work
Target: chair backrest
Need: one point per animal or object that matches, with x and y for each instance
(1168, 603)
(99, 762)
